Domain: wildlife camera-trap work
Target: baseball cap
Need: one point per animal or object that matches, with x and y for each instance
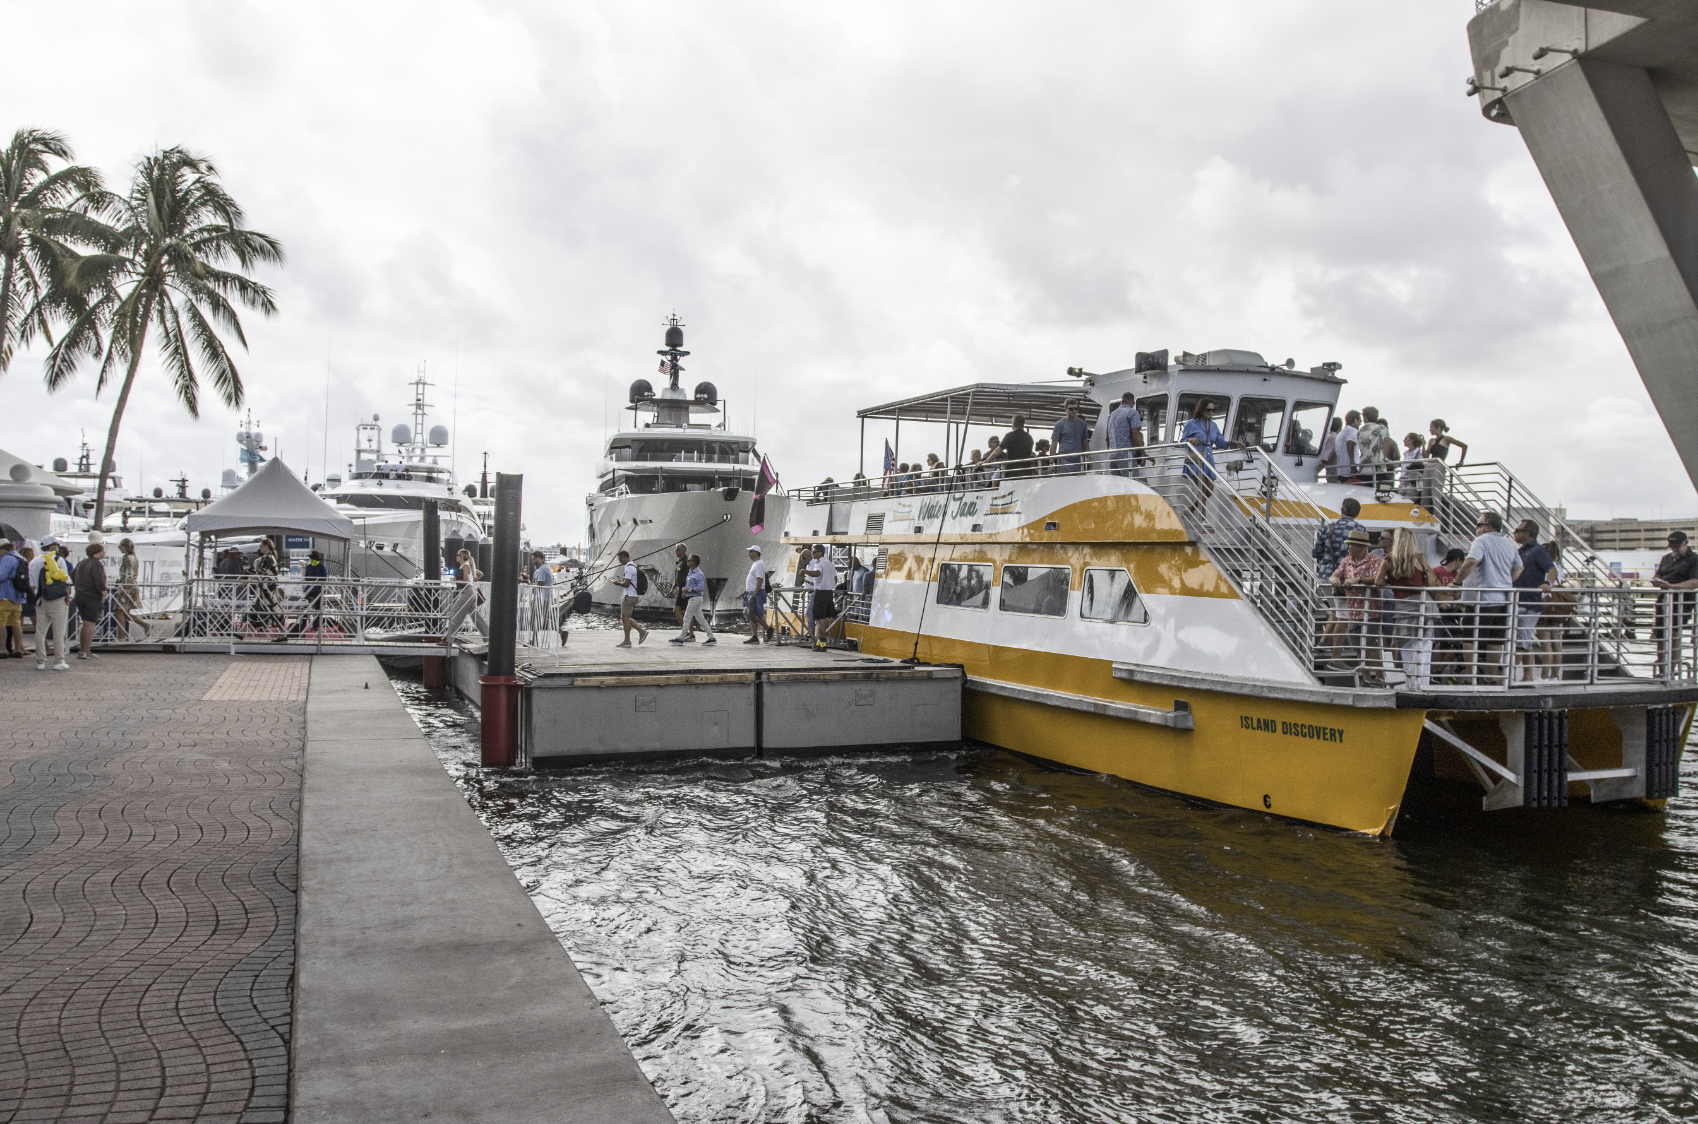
(49, 540)
(754, 550)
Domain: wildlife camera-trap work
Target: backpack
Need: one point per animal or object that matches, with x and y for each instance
(642, 582)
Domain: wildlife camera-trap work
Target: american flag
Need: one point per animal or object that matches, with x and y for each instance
(666, 367)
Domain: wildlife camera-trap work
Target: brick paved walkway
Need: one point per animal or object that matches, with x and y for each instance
(148, 806)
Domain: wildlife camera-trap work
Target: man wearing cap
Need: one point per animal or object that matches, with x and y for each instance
(1353, 577)
(13, 575)
(52, 585)
(1678, 569)
(754, 596)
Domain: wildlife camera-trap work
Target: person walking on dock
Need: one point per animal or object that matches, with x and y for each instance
(681, 575)
(822, 577)
(126, 602)
(628, 603)
(313, 574)
(695, 589)
(89, 578)
(754, 596)
(52, 591)
(13, 575)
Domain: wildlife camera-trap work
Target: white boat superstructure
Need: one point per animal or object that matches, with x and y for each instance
(669, 480)
(386, 489)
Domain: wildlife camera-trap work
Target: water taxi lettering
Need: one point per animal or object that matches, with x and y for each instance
(1290, 729)
(930, 510)
(965, 506)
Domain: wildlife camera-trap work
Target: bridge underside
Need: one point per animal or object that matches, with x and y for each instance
(1610, 116)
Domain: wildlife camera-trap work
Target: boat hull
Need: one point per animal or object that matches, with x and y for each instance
(650, 526)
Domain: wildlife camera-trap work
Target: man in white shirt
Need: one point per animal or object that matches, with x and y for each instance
(628, 604)
(754, 596)
(822, 579)
(1492, 565)
(1345, 450)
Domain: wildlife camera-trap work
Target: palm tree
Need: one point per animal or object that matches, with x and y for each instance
(169, 238)
(41, 211)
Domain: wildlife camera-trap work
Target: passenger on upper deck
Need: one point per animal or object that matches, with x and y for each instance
(1371, 442)
(1016, 447)
(1125, 431)
(993, 473)
(1204, 437)
(1678, 569)
(1327, 469)
(1441, 444)
(1069, 439)
(1045, 466)
(1348, 452)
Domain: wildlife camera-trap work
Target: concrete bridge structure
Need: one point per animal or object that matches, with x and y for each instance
(1606, 96)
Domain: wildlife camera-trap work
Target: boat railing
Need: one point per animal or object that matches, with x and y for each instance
(1484, 639)
(790, 612)
(1254, 522)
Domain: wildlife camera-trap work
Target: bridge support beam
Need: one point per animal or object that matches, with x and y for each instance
(1623, 181)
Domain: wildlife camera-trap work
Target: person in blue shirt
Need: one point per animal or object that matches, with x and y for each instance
(1203, 437)
(1125, 431)
(12, 576)
(1068, 440)
(695, 589)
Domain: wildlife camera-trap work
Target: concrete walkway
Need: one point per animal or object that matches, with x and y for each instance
(428, 986)
(147, 866)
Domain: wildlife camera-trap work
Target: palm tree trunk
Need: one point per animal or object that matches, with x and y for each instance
(6, 310)
(117, 419)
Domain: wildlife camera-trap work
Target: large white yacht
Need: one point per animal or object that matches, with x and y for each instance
(670, 480)
(385, 491)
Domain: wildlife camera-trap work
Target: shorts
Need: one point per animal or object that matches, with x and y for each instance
(755, 602)
(1527, 624)
(1493, 622)
(823, 605)
(11, 614)
(681, 599)
(627, 603)
(88, 611)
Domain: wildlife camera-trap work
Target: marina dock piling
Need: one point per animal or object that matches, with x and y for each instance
(498, 687)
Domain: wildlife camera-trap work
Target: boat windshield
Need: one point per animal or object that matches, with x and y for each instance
(681, 451)
(425, 473)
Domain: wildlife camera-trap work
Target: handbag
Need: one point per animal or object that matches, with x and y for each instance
(1559, 605)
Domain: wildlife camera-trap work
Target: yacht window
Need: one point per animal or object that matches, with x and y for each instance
(1188, 405)
(967, 586)
(1038, 590)
(1309, 420)
(1109, 595)
(686, 452)
(1258, 422)
(1154, 412)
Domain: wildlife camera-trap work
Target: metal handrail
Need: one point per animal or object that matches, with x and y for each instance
(1497, 639)
(790, 609)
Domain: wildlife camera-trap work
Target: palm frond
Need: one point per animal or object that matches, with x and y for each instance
(216, 359)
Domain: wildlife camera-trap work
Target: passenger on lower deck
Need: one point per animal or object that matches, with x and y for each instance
(1354, 579)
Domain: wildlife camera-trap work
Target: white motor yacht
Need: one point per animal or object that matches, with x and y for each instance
(385, 492)
(671, 480)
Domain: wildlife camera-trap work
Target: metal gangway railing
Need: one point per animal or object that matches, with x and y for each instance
(790, 616)
(1480, 639)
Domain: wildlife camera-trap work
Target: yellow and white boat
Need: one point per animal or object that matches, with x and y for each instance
(1129, 617)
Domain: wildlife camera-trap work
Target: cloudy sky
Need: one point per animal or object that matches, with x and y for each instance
(846, 205)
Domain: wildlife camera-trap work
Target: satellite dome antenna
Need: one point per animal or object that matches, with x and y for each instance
(673, 351)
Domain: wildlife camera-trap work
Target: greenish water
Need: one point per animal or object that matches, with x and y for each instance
(971, 937)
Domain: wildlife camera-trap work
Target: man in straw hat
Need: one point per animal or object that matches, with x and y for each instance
(1355, 578)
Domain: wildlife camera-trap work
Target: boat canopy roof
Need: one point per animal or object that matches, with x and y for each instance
(990, 403)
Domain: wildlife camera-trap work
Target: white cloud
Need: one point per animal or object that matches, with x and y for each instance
(846, 205)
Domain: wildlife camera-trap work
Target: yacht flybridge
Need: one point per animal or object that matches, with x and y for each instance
(676, 476)
(386, 489)
(1147, 613)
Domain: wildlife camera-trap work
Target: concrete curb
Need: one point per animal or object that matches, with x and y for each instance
(427, 984)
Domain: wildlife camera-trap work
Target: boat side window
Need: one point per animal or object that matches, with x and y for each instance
(1309, 420)
(1188, 404)
(1038, 590)
(1109, 595)
(966, 585)
(1258, 422)
(1154, 412)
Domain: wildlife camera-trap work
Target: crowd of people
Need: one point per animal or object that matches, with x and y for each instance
(1359, 449)
(44, 587)
(1492, 614)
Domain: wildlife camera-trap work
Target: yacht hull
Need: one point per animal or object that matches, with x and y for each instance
(650, 526)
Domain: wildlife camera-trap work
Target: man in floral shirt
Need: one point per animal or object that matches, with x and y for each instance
(1354, 579)
(1329, 548)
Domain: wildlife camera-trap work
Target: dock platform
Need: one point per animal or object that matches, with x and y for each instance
(593, 701)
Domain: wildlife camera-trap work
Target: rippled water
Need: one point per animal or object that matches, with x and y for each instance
(971, 937)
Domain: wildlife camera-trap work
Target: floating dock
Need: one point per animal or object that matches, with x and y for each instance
(592, 701)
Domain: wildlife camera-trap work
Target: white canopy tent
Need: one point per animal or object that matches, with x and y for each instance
(271, 502)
